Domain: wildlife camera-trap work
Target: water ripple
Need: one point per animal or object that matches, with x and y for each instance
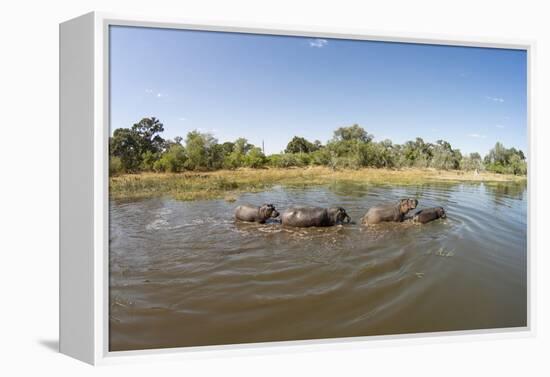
(184, 273)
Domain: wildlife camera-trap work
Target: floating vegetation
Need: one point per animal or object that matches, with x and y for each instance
(230, 198)
(444, 253)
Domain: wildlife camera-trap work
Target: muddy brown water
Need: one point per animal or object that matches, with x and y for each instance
(185, 274)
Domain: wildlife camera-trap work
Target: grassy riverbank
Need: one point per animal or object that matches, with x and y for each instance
(228, 184)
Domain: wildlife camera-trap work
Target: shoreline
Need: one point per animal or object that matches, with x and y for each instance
(229, 184)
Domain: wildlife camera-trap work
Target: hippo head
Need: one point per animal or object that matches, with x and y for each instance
(405, 205)
(338, 215)
(441, 212)
(268, 210)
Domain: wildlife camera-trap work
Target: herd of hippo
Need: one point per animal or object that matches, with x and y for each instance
(321, 217)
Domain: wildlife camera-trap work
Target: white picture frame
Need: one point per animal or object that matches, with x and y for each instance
(84, 132)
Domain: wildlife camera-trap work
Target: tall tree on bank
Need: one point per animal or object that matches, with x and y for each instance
(202, 151)
(140, 143)
(503, 160)
(301, 145)
(126, 146)
(353, 133)
(149, 130)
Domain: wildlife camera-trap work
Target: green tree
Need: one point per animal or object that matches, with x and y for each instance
(506, 161)
(148, 160)
(237, 157)
(255, 158)
(138, 147)
(518, 166)
(177, 141)
(284, 160)
(173, 160)
(201, 150)
(227, 147)
(472, 162)
(497, 156)
(242, 146)
(125, 144)
(387, 154)
(215, 156)
(115, 166)
(379, 155)
(350, 147)
(233, 160)
(417, 153)
(443, 156)
(353, 133)
(321, 156)
(148, 131)
(301, 145)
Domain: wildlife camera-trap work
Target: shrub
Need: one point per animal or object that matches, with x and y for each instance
(148, 160)
(115, 166)
(284, 160)
(173, 160)
(290, 160)
(320, 157)
(233, 160)
(345, 163)
(254, 158)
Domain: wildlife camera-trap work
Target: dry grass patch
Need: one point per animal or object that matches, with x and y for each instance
(228, 184)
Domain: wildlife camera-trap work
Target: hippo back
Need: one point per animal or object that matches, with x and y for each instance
(389, 212)
(246, 212)
(304, 216)
(429, 214)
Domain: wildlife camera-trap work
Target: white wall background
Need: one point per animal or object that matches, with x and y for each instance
(29, 184)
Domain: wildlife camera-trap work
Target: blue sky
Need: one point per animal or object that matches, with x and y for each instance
(272, 88)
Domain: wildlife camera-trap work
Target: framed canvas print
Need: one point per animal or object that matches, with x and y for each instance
(228, 187)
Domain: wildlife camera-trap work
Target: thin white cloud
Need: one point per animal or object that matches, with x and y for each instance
(495, 99)
(319, 43)
(477, 136)
(499, 126)
(182, 119)
(211, 131)
(153, 93)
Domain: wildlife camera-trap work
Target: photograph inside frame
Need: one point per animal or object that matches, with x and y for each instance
(271, 188)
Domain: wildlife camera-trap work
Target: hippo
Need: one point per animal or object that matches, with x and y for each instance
(389, 212)
(314, 216)
(247, 212)
(429, 214)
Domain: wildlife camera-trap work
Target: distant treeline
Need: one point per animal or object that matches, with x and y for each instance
(141, 148)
